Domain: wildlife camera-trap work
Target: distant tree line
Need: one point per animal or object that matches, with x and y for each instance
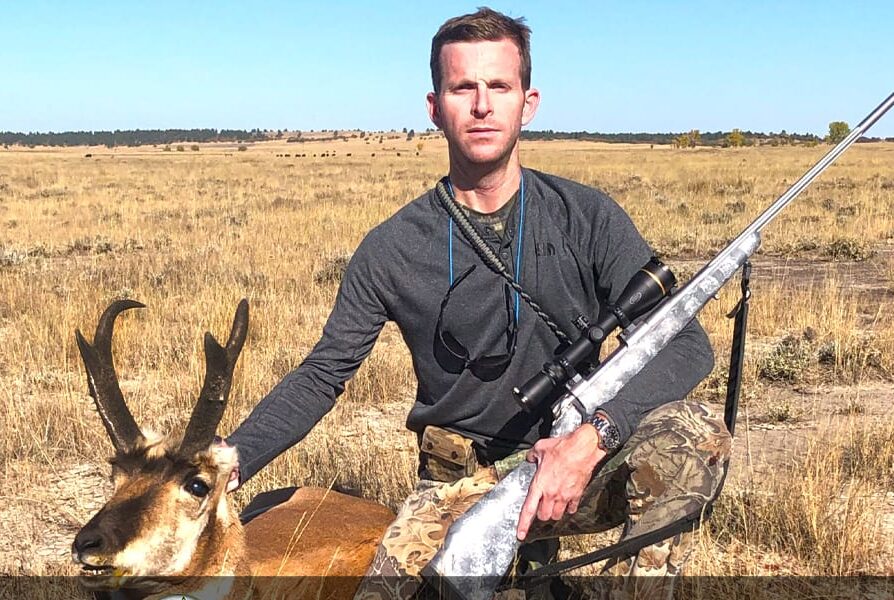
(838, 130)
(165, 137)
(693, 137)
(134, 137)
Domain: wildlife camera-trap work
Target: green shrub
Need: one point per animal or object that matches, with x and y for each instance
(787, 361)
(849, 249)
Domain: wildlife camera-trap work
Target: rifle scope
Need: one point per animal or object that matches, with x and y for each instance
(649, 286)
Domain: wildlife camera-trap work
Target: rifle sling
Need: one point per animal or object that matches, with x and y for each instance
(630, 546)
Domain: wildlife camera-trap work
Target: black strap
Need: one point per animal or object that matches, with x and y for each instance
(630, 546)
(737, 352)
(620, 550)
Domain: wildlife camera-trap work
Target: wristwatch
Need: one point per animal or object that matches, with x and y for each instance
(609, 436)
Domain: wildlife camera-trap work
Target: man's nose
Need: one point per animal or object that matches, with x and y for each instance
(482, 106)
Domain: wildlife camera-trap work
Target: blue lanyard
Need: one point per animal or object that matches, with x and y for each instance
(520, 237)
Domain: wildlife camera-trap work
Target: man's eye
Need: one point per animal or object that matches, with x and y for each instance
(197, 488)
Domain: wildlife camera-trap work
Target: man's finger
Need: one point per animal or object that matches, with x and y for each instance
(558, 511)
(233, 481)
(545, 512)
(529, 509)
(573, 506)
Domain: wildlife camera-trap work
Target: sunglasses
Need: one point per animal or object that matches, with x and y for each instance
(453, 356)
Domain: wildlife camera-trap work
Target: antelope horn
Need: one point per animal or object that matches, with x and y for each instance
(219, 364)
(103, 382)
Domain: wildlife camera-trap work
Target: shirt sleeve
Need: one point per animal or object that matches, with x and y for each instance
(618, 252)
(285, 415)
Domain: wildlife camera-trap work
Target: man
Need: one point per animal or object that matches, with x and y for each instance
(471, 339)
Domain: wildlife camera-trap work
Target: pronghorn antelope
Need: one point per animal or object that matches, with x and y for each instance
(169, 526)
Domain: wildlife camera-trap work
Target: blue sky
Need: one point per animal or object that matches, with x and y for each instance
(600, 66)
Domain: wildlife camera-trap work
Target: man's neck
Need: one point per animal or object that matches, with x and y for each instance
(485, 189)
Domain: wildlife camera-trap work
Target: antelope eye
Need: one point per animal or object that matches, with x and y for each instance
(197, 488)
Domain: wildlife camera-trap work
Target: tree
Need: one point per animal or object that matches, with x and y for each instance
(695, 137)
(682, 141)
(410, 134)
(735, 138)
(838, 130)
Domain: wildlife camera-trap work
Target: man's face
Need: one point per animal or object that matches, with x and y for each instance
(481, 106)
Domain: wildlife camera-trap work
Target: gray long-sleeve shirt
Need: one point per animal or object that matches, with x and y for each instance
(579, 248)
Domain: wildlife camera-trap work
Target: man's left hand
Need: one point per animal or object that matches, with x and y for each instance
(565, 465)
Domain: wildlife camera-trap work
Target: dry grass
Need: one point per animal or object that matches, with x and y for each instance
(191, 233)
(818, 515)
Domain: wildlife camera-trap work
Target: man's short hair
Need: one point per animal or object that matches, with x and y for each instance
(484, 25)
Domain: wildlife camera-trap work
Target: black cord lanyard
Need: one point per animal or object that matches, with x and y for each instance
(489, 257)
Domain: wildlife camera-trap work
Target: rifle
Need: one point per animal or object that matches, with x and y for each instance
(481, 544)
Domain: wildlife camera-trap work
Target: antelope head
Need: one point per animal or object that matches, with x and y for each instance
(168, 517)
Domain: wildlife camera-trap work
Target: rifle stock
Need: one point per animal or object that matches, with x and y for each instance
(481, 545)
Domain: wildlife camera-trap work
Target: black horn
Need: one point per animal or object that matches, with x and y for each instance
(103, 381)
(219, 364)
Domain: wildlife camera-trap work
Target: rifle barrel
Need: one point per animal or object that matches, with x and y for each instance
(796, 188)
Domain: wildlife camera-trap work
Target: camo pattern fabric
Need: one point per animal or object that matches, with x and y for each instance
(669, 467)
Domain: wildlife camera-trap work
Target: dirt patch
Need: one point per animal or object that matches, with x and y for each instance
(43, 511)
(764, 443)
(870, 277)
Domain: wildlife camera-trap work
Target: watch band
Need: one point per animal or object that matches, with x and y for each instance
(609, 436)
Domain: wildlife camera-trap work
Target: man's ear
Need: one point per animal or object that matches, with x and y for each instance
(434, 112)
(532, 101)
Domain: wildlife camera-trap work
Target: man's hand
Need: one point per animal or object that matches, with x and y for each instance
(233, 482)
(565, 465)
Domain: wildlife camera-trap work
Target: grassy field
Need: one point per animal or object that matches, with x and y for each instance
(190, 233)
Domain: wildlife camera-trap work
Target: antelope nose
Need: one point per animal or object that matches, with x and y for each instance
(88, 540)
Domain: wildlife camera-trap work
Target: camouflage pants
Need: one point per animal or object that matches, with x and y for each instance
(669, 467)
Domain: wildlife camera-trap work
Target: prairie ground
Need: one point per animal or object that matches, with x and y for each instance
(189, 233)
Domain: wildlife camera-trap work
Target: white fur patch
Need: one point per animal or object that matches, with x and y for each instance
(166, 551)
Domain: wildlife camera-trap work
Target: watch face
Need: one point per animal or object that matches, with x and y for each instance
(610, 437)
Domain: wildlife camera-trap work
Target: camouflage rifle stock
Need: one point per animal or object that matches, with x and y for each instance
(480, 546)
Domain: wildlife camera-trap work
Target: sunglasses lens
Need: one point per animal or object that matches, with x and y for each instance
(488, 368)
(452, 359)
(454, 347)
(453, 356)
